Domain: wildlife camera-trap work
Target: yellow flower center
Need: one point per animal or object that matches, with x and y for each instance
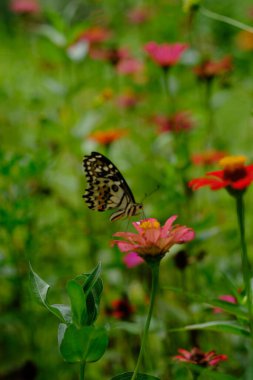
(234, 168)
(232, 163)
(148, 224)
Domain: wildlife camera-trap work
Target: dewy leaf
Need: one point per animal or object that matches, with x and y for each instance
(40, 289)
(85, 344)
(128, 376)
(221, 326)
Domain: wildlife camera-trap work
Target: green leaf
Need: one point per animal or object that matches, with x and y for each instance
(85, 344)
(238, 310)
(128, 376)
(78, 302)
(40, 289)
(92, 288)
(221, 326)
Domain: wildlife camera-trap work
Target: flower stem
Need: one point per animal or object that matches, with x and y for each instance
(226, 20)
(167, 88)
(82, 370)
(245, 261)
(155, 279)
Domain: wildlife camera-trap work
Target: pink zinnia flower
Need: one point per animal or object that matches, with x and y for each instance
(198, 357)
(94, 35)
(25, 6)
(153, 240)
(165, 55)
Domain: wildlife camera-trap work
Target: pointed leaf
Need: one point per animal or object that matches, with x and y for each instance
(235, 309)
(40, 289)
(223, 326)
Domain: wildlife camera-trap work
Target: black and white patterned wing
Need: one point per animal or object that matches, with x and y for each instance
(107, 188)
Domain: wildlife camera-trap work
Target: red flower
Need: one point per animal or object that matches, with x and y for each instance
(120, 309)
(198, 357)
(165, 55)
(234, 176)
(151, 239)
(25, 6)
(177, 122)
(210, 69)
(207, 158)
(107, 137)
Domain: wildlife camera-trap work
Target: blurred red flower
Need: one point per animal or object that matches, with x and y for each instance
(198, 357)
(152, 239)
(94, 35)
(127, 100)
(165, 55)
(180, 121)
(120, 309)
(107, 137)
(209, 69)
(226, 297)
(208, 157)
(234, 176)
(25, 6)
(138, 15)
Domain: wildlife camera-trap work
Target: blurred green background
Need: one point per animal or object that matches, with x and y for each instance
(50, 104)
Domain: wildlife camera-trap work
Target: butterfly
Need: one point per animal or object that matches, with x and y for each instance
(107, 188)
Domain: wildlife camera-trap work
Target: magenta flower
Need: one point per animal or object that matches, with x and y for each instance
(131, 260)
(165, 55)
(25, 6)
(198, 357)
(153, 240)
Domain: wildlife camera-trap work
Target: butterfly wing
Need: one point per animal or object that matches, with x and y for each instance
(107, 188)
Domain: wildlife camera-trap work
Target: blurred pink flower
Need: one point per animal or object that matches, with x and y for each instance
(179, 121)
(165, 55)
(131, 260)
(226, 297)
(198, 357)
(25, 6)
(129, 66)
(152, 239)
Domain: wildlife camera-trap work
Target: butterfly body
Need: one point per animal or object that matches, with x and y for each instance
(107, 188)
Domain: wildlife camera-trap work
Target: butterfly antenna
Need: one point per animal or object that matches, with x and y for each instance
(147, 195)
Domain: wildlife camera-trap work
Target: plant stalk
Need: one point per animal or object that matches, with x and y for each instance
(155, 279)
(245, 261)
(82, 370)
